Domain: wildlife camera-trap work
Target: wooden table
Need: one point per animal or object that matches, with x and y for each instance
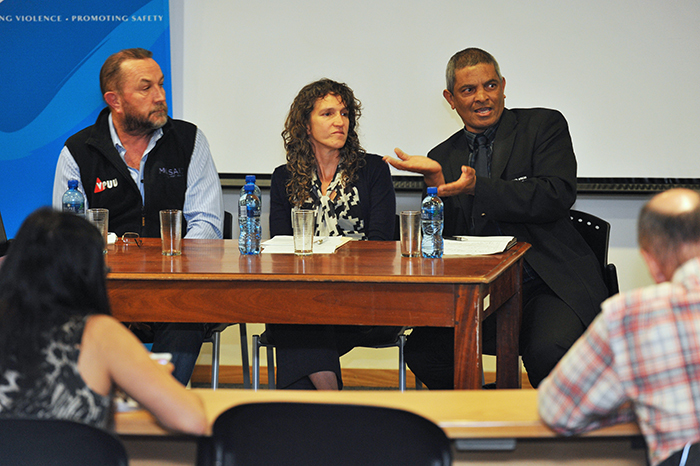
(486, 427)
(363, 283)
(462, 414)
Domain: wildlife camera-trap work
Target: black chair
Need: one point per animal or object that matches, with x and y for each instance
(688, 456)
(41, 442)
(4, 243)
(214, 334)
(596, 232)
(322, 434)
(214, 337)
(261, 341)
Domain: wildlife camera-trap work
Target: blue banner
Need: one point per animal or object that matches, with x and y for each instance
(50, 60)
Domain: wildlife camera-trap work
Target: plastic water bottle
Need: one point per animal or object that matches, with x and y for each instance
(249, 221)
(250, 179)
(432, 219)
(73, 200)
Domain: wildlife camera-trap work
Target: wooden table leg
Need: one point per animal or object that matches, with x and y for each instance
(508, 317)
(468, 362)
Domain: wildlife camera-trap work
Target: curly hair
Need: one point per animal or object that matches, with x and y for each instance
(301, 162)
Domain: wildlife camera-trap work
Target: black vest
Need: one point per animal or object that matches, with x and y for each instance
(108, 183)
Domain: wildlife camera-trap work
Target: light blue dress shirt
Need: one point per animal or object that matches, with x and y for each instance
(204, 206)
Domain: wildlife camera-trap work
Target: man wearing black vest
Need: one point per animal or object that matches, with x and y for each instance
(509, 172)
(136, 161)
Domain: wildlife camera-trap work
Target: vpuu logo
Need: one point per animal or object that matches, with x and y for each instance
(102, 185)
(172, 172)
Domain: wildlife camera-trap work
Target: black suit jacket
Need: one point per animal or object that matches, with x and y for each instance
(528, 195)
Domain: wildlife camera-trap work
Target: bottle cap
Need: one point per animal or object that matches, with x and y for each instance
(250, 179)
(432, 190)
(249, 187)
(72, 184)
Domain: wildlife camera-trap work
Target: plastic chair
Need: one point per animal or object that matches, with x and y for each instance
(321, 434)
(214, 334)
(260, 341)
(596, 232)
(41, 442)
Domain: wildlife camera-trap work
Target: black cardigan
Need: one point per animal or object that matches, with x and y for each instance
(377, 200)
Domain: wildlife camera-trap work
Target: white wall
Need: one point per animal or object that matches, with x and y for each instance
(624, 73)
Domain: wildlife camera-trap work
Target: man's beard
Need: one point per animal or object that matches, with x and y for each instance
(139, 125)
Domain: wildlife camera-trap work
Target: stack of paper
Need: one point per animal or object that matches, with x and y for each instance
(478, 245)
(282, 244)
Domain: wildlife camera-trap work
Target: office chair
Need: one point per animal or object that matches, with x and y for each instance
(214, 334)
(687, 456)
(40, 442)
(4, 243)
(312, 434)
(260, 341)
(596, 232)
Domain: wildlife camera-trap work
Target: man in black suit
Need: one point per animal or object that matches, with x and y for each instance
(509, 172)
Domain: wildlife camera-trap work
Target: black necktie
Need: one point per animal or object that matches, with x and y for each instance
(481, 156)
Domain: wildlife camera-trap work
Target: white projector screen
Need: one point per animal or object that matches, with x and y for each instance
(626, 74)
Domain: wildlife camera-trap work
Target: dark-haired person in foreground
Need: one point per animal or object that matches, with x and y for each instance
(353, 195)
(135, 161)
(61, 352)
(640, 358)
(509, 172)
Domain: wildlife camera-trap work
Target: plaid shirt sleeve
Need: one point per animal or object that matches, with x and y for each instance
(583, 392)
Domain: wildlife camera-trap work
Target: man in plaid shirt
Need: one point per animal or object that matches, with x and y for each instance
(640, 358)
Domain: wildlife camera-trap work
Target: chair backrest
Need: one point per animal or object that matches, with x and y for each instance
(4, 244)
(228, 225)
(321, 434)
(3, 236)
(596, 232)
(39, 442)
(687, 456)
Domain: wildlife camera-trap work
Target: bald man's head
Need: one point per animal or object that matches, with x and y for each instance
(669, 227)
(675, 202)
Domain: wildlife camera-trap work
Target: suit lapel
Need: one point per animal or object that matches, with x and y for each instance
(458, 157)
(503, 144)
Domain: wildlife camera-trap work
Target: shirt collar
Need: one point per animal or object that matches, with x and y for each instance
(690, 268)
(490, 134)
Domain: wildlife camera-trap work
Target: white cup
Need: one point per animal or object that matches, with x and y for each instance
(171, 232)
(304, 225)
(100, 218)
(410, 233)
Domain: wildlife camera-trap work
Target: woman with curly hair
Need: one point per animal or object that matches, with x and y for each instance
(353, 195)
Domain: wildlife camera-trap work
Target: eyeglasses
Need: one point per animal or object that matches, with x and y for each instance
(131, 237)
